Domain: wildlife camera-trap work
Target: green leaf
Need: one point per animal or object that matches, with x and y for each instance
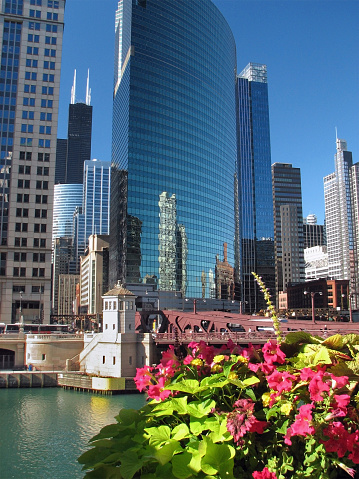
(158, 435)
(283, 428)
(201, 408)
(180, 432)
(181, 465)
(92, 457)
(190, 386)
(217, 381)
(334, 342)
(165, 453)
(179, 405)
(218, 459)
(104, 472)
(128, 416)
(111, 430)
(251, 381)
(300, 337)
(130, 464)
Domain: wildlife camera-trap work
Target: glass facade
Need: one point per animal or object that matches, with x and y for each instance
(66, 199)
(256, 232)
(174, 145)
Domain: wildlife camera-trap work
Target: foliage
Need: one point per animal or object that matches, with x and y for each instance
(286, 410)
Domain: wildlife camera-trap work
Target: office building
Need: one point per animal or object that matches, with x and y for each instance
(174, 136)
(341, 214)
(313, 234)
(255, 187)
(69, 166)
(316, 262)
(288, 225)
(31, 43)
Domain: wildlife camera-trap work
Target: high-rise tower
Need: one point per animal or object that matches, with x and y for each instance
(255, 186)
(69, 167)
(288, 225)
(31, 44)
(174, 133)
(342, 219)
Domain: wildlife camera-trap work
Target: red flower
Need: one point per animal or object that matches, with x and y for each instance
(242, 420)
(339, 381)
(338, 438)
(353, 446)
(202, 351)
(280, 381)
(272, 353)
(265, 474)
(169, 358)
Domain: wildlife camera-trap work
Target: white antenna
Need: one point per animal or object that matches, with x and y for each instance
(73, 90)
(88, 89)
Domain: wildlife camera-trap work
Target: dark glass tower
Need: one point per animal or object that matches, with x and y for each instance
(255, 186)
(78, 141)
(174, 144)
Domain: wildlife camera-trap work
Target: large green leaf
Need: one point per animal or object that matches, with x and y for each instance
(300, 337)
(218, 460)
(166, 452)
(108, 431)
(201, 408)
(179, 405)
(128, 416)
(130, 464)
(180, 432)
(158, 435)
(181, 465)
(216, 381)
(104, 472)
(190, 386)
(198, 425)
(92, 457)
(334, 342)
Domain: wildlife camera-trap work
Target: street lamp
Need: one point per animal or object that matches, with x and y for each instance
(312, 294)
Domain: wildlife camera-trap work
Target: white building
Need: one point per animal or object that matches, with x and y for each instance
(316, 262)
(118, 350)
(341, 213)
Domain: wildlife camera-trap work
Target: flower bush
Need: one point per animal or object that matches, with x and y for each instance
(285, 410)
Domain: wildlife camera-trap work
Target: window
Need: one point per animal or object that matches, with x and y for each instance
(114, 360)
(103, 359)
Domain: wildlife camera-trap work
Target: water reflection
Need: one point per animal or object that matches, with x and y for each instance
(43, 431)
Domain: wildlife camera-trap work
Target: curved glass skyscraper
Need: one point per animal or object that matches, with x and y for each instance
(174, 147)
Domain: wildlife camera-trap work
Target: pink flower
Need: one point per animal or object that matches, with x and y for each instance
(157, 391)
(202, 351)
(317, 386)
(307, 374)
(272, 352)
(188, 359)
(339, 381)
(341, 400)
(302, 424)
(265, 474)
(169, 358)
(144, 377)
(280, 381)
(338, 438)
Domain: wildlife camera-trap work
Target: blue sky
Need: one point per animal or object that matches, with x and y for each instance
(310, 47)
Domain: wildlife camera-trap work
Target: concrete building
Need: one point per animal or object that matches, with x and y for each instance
(313, 234)
(31, 44)
(94, 268)
(67, 294)
(288, 225)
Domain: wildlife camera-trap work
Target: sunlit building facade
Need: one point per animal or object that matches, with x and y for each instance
(174, 142)
(31, 45)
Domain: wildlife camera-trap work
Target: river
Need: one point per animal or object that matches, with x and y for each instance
(44, 431)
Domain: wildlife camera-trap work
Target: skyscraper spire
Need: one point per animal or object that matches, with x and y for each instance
(88, 89)
(73, 90)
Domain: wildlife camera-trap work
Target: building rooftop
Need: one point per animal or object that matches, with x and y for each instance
(117, 290)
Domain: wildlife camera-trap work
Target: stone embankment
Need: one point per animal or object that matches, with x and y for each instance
(27, 379)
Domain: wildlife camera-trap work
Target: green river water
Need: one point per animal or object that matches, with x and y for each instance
(44, 431)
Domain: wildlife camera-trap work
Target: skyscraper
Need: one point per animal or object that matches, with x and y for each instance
(255, 186)
(78, 144)
(174, 133)
(313, 234)
(288, 225)
(31, 43)
(341, 216)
